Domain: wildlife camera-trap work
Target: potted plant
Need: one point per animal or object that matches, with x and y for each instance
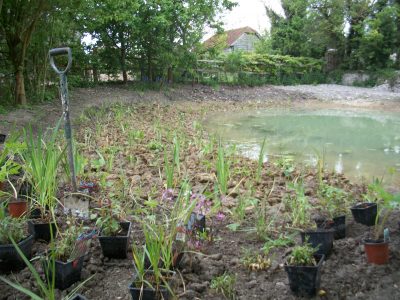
(303, 267)
(46, 289)
(334, 202)
(41, 161)
(7, 163)
(299, 207)
(152, 281)
(377, 245)
(2, 138)
(114, 233)
(197, 219)
(13, 229)
(65, 258)
(17, 207)
(365, 212)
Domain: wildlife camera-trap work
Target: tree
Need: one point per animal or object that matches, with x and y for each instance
(112, 24)
(17, 23)
(288, 33)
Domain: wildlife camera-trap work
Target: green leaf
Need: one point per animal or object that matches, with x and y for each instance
(233, 226)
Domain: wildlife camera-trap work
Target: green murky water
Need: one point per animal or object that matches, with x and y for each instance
(358, 144)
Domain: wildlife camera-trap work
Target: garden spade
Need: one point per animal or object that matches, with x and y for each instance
(75, 205)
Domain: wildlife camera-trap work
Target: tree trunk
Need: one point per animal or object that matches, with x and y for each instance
(95, 75)
(124, 76)
(20, 97)
(170, 75)
(149, 68)
(123, 60)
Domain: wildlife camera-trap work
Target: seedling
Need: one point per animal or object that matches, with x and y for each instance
(255, 262)
(225, 284)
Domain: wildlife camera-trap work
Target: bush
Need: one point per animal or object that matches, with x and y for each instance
(256, 69)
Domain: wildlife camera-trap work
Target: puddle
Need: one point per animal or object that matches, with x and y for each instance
(360, 144)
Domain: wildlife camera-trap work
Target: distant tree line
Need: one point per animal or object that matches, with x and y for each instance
(150, 37)
(365, 33)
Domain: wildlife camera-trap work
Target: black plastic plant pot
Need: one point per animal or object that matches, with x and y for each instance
(305, 280)
(2, 138)
(320, 238)
(116, 246)
(41, 231)
(139, 293)
(196, 222)
(365, 213)
(66, 273)
(10, 260)
(78, 297)
(339, 224)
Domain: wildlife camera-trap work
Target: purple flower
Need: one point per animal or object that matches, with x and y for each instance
(203, 206)
(168, 195)
(220, 216)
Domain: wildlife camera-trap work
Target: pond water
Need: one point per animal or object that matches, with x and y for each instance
(360, 144)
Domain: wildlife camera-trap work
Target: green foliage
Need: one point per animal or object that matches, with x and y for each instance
(222, 168)
(255, 69)
(225, 284)
(302, 256)
(80, 162)
(333, 200)
(281, 241)
(46, 289)
(299, 206)
(386, 202)
(11, 228)
(108, 219)
(260, 161)
(286, 163)
(364, 33)
(255, 261)
(64, 247)
(41, 159)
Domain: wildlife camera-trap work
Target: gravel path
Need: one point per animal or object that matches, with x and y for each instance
(341, 93)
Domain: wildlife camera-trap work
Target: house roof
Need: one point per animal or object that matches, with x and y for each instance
(231, 36)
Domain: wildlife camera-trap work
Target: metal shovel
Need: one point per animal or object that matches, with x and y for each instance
(75, 205)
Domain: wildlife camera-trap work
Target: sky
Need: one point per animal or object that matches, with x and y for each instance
(249, 13)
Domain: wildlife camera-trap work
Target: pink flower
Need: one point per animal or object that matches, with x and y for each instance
(220, 216)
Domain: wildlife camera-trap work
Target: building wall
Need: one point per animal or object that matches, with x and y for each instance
(244, 43)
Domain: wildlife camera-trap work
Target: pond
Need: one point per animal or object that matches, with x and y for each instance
(360, 144)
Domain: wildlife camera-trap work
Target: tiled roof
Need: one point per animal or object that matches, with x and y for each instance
(231, 36)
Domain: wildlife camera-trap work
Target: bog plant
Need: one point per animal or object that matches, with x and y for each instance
(222, 168)
(11, 229)
(333, 200)
(41, 159)
(260, 161)
(302, 256)
(299, 206)
(387, 202)
(108, 219)
(64, 247)
(46, 288)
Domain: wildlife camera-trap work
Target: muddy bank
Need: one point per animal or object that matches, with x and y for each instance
(45, 115)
